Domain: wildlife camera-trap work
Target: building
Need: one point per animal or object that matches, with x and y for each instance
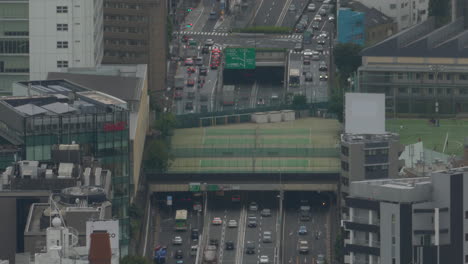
(65, 33)
(135, 33)
(14, 43)
(376, 25)
(60, 112)
(459, 8)
(405, 13)
(126, 82)
(369, 156)
(416, 220)
(421, 70)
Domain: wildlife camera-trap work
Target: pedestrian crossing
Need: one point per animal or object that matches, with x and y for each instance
(325, 52)
(201, 33)
(293, 36)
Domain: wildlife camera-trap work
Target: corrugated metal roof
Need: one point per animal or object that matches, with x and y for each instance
(31, 109)
(59, 108)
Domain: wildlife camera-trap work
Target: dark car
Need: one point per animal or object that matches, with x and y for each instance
(321, 41)
(195, 233)
(185, 38)
(214, 66)
(214, 242)
(298, 47)
(319, 48)
(250, 248)
(322, 12)
(229, 245)
(323, 66)
(205, 50)
(306, 61)
(203, 71)
(190, 82)
(199, 61)
(316, 25)
(179, 254)
(308, 77)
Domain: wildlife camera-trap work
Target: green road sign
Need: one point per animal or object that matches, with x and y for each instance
(194, 187)
(240, 58)
(212, 187)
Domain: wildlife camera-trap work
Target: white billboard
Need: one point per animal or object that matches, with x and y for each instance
(365, 113)
(111, 226)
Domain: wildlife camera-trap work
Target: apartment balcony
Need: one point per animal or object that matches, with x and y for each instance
(126, 35)
(361, 227)
(363, 248)
(125, 23)
(132, 48)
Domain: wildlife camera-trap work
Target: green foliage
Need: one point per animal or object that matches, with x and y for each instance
(339, 248)
(134, 260)
(165, 124)
(347, 58)
(169, 28)
(135, 211)
(299, 102)
(265, 29)
(336, 102)
(136, 214)
(157, 155)
(440, 10)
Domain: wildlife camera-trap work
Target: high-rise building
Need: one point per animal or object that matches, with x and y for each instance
(64, 33)
(14, 43)
(135, 33)
(459, 9)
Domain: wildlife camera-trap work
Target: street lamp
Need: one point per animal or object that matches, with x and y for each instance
(436, 69)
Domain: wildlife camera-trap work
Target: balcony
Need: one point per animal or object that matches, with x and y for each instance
(364, 249)
(131, 48)
(126, 35)
(125, 23)
(361, 227)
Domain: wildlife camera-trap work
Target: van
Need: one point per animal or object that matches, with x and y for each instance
(193, 250)
(213, 15)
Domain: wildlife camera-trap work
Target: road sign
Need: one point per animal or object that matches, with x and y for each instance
(194, 187)
(169, 200)
(240, 58)
(213, 187)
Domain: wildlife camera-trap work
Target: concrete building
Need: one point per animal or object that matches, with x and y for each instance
(416, 220)
(135, 33)
(61, 112)
(374, 27)
(14, 43)
(126, 82)
(405, 13)
(421, 70)
(64, 33)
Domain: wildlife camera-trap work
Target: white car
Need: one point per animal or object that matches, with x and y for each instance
(331, 18)
(217, 221)
(209, 42)
(177, 240)
(327, 2)
(264, 259)
(307, 52)
(317, 18)
(311, 8)
(232, 223)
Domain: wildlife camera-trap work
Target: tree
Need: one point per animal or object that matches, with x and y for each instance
(299, 101)
(347, 58)
(134, 260)
(157, 156)
(166, 124)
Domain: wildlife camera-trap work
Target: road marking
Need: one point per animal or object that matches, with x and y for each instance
(198, 18)
(259, 7)
(283, 13)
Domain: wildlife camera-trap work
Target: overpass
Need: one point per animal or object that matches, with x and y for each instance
(270, 58)
(184, 182)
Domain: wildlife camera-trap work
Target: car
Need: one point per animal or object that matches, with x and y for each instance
(260, 101)
(308, 77)
(317, 18)
(300, 27)
(203, 71)
(265, 212)
(189, 106)
(194, 234)
(185, 38)
(252, 221)
(235, 198)
(232, 223)
(229, 245)
(190, 82)
(178, 95)
(191, 70)
(315, 57)
(253, 206)
(250, 248)
(177, 240)
(306, 60)
(311, 7)
(292, 7)
(323, 77)
(323, 66)
(216, 50)
(188, 62)
(319, 48)
(267, 237)
(264, 259)
(205, 50)
(305, 18)
(322, 12)
(209, 42)
(193, 250)
(179, 254)
(326, 6)
(298, 47)
(320, 259)
(302, 230)
(307, 52)
(321, 41)
(214, 66)
(327, 2)
(217, 221)
(214, 242)
(303, 247)
(323, 34)
(179, 261)
(315, 25)
(199, 61)
(331, 18)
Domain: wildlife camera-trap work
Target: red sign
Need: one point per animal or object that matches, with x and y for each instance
(114, 127)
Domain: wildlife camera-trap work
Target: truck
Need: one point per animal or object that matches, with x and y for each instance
(160, 253)
(179, 82)
(209, 255)
(304, 211)
(228, 94)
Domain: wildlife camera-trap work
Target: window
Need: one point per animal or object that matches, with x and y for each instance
(400, 76)
(62, 44)
(403, 90)
(404, 18)
(440, 76)
(62, 64)
(344, 166)
(448, 91)
(440, 91)
(463, 77)
(392, 6)
(430, 76)
(344, 150)
(62, 9)
(62, 27)
(418, 76)
(402, 5)
(448, 76)
(430, 91)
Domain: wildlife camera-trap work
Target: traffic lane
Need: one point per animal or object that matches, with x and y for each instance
(263, 12)
(251, 236)
(268, 224)
(319, 228)
(231, 234)
(291, 239)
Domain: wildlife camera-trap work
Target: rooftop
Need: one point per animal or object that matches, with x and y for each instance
(369, 138)
(425, 40)
(373, 17)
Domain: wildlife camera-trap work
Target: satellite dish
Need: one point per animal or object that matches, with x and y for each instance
(56, 222)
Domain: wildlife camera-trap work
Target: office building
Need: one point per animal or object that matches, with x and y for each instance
(14, 44)
(421, 70)
(363, 25)
(135, 33)
(459, 8)
(60, 112)
(64, 33)
(415, 220)
(405, 13)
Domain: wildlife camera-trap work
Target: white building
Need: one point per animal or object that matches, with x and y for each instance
(406, 13)
(64, 33)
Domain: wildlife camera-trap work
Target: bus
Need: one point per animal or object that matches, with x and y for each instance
(294, 77)
(181, 220)
(308, 34)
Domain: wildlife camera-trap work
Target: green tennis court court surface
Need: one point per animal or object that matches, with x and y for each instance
(251, 141)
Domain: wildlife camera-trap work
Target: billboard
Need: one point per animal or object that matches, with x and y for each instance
(240, 58)
(365, 113)
(111, 226)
